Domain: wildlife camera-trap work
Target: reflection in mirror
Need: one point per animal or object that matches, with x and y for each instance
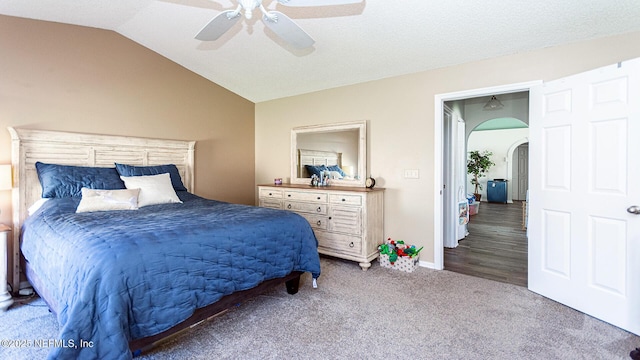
(337, 148)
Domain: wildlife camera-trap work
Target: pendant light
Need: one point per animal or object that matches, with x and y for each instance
(493, 104)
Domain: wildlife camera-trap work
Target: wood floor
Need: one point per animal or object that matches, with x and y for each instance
(496, 247)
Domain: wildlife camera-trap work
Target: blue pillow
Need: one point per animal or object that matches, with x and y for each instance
(60, 181)
(131, 170)
(315, 170)
(336, 168)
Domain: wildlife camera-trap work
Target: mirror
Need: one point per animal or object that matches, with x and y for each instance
(343, 144)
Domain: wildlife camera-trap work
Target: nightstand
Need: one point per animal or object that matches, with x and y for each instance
(5, 297)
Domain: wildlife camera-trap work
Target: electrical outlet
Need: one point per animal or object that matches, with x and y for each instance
(411, 174)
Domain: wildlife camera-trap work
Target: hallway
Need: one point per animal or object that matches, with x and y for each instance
(496, 247)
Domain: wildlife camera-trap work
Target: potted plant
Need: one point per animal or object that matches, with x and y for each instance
(478, 164)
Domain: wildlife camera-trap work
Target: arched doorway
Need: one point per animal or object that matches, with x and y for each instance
(500, 136)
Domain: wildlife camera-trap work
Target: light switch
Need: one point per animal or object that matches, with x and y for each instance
(411, 174)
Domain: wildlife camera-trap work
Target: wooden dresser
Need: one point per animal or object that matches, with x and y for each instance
(347, 221)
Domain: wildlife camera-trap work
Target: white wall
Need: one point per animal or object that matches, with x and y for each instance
(499, 142)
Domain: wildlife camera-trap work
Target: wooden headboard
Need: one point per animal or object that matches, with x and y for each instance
(316, 157)
(65, 148)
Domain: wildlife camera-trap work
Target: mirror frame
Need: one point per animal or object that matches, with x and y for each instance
(361, 126)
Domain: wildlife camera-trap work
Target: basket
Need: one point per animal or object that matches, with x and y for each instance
(403, 263)
(474, 208)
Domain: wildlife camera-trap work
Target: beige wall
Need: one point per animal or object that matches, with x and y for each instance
(400, 112)
(70, 78)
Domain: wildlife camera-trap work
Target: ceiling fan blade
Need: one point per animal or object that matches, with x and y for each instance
(218, 26)
(289, 31)
(293, 3)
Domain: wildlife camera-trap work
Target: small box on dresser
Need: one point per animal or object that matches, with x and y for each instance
(347, 221)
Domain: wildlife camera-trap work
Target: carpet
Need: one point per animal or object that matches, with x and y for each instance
(375, 314)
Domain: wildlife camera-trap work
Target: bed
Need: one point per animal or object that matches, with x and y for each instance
(309, 162)
(120, 280)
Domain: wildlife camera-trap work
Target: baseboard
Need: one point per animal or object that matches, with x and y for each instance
(427, 264)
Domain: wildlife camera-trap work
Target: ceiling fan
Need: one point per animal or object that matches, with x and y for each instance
(278, 22)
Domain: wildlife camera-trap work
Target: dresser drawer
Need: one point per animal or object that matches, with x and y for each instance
(316, 221)
(345, 199)
(331, 242)
(306, 196)
(319, 209)
(271, 193)
(345, 219)
(347, 222)
(271, 203)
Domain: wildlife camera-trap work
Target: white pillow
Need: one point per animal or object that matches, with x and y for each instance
(154, 189)
(105, 200)
(37, 205)
(335, 175)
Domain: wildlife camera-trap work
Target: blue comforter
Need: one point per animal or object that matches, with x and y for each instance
(122, 275)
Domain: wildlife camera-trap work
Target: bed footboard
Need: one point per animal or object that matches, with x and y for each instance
(291, 281)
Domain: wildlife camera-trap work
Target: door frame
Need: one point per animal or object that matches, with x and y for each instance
(439, 99)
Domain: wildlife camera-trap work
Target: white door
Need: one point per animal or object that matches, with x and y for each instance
(454, 177)
(523, 171)
(584, 244)
(448, 176)
(460, 175)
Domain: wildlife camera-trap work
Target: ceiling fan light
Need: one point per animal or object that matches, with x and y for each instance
(493, 104)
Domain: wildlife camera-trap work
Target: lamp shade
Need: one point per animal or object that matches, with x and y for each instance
(348, 170)
(6, 181)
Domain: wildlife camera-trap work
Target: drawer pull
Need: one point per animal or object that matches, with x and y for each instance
(329, 217)
(351, 244)
(319, 223)
(318, 197)
(344, 199)
(319, 209)
(289, 206)
(270, 194)
(289, 195)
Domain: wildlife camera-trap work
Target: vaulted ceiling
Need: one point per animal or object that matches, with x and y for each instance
(354, 43)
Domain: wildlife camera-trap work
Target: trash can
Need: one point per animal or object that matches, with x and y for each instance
(497, 191)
